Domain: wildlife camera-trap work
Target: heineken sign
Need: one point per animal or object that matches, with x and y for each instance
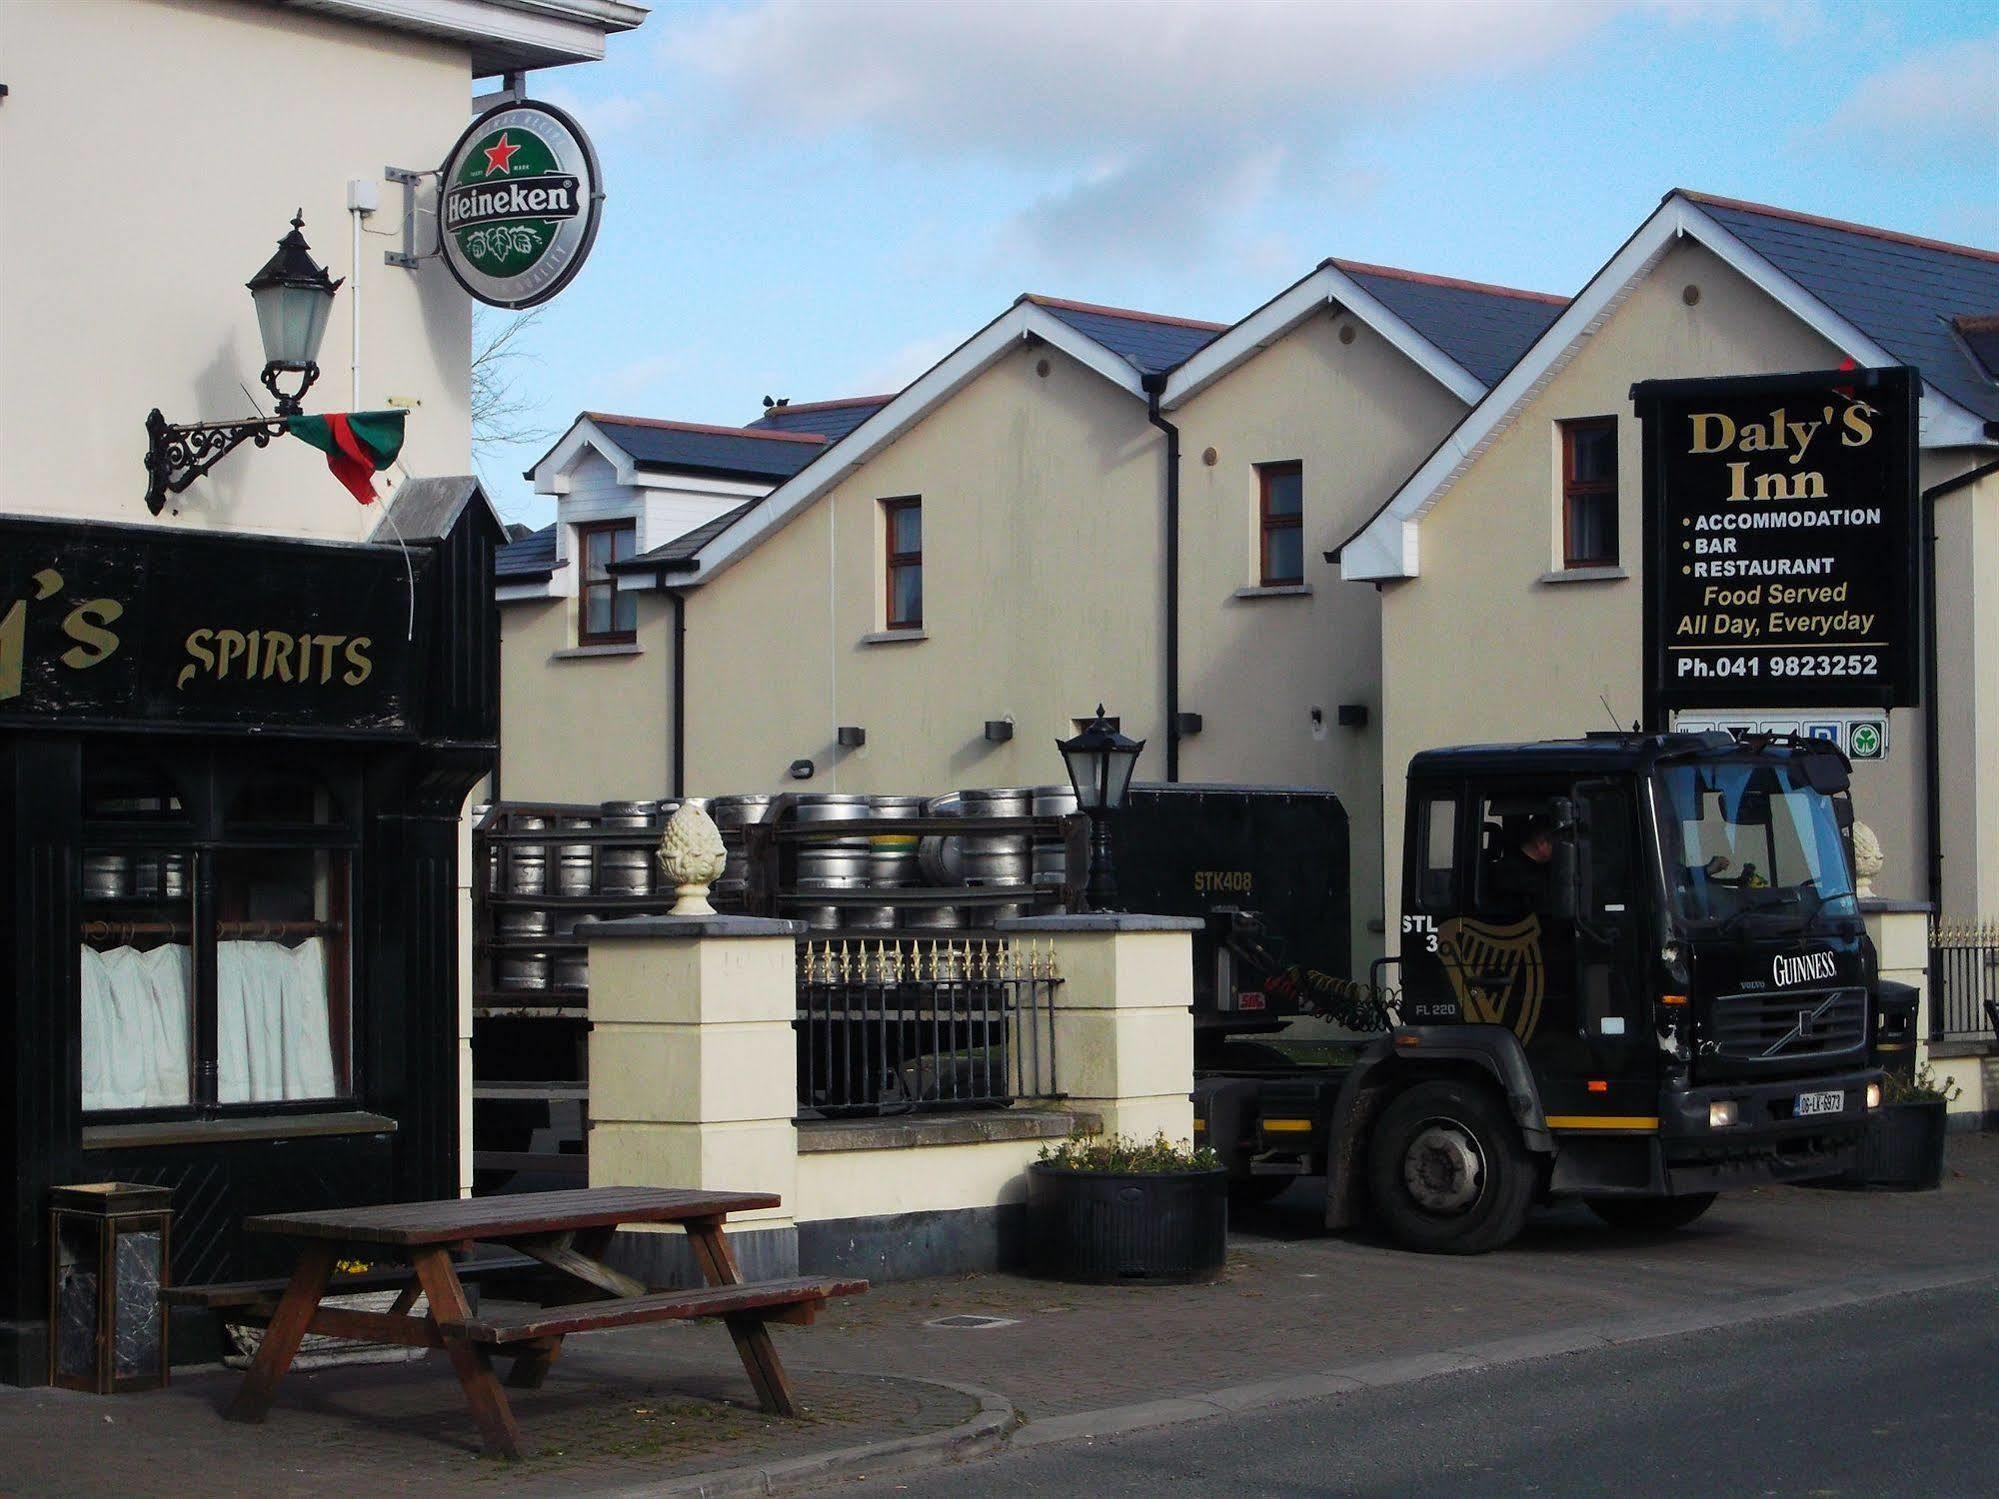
(518, 204)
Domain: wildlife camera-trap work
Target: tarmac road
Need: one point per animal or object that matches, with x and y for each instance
(1898, 1396)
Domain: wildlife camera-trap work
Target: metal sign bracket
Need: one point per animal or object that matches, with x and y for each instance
(409, 257)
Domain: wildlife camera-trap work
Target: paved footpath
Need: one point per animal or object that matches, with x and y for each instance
(656, 1409)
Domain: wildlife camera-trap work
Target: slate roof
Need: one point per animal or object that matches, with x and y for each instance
(727, 452)
(1151, 342)
(831, 420)
(1981, 336)
(532, 557)
(1484, 328)
(1900, 291)
(682, 550)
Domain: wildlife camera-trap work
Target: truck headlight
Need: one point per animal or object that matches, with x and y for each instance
(1721, 1115)
(1873, 1095)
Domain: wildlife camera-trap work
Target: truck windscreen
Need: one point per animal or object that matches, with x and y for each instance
(1750, 837)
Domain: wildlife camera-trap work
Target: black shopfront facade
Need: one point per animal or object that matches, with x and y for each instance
(231, 773)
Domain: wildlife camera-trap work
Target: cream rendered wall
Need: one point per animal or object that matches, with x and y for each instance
(1043, 550)
(1476, 648)
(153, 154)
(584, 727)
(1359, 416)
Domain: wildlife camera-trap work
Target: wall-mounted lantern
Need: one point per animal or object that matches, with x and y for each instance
(1100, 761)
(850, 736)
(293, 295)
(999, 730)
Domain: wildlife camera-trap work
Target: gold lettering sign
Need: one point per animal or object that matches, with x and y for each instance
(266, 655)
(86, 623)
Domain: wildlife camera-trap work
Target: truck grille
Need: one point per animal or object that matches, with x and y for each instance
(1787, 1027)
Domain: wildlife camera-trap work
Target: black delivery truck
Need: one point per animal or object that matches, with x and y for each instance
(1632, 970)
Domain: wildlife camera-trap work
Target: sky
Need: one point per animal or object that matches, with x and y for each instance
(820, 198)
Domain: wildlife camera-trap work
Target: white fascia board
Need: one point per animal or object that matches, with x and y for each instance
(1005, 333)
(1329, 285)
(525, 588)
(499, 33)
(701, 484)
(584, 436)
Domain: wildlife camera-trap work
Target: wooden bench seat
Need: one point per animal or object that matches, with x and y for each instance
(230, 1295)
(796, 1300)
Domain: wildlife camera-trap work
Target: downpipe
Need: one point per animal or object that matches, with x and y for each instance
(1154, 384)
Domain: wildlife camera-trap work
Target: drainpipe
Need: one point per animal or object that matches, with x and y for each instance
(1932, 713)
(677, 762)
(1154, 384)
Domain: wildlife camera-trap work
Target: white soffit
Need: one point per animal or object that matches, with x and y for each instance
(964, 364)
(1327, 286)
(502, 35)
(1386, 547)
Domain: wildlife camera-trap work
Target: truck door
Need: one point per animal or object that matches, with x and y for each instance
(1511, 954)
(1613, 1013)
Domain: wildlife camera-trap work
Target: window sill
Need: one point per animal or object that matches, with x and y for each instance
(893, 637)
(593, 652)
(222, 1131)
(1611, 574)
(1276, 591)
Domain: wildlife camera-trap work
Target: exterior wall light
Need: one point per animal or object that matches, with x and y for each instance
(1100, 762)
(999, 730)
(293, 295)
(851, 736)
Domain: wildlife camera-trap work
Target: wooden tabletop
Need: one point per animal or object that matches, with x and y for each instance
(524, 1213)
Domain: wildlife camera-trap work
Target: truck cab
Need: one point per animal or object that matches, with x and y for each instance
(1632, 970)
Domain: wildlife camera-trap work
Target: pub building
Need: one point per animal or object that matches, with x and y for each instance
(233, 769)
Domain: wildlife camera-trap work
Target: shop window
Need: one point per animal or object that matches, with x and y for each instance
(1589, 492)
(216, 953)
(606, 614)
(1281, 522)
(903, 529)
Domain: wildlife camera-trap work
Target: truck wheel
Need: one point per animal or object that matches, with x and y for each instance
(1651, 1214)
(1448, 1171)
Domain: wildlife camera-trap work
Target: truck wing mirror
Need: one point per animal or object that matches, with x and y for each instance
(1565, 878)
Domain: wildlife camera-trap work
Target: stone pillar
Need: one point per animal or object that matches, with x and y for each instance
(694, 1075)
(1124, 1023)
(1900, 931)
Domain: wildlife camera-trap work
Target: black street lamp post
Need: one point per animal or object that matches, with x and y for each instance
(293, 295)
(1100, 762)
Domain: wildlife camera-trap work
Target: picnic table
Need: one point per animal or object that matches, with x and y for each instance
(565, 1232)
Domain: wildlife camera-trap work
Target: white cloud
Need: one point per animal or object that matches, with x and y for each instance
(1945, 98)
(898, 367)
(627, 386)
(1151, 126)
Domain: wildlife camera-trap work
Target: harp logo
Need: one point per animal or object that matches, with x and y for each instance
(1496, 970)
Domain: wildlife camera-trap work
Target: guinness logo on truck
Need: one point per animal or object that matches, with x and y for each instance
(519, 200)
(1496, 970)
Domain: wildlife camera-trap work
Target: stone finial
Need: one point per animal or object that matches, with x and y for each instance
(692, 856)
(1866, 859)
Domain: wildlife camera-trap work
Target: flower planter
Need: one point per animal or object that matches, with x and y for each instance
(1109, 1226)
(1903, 1147)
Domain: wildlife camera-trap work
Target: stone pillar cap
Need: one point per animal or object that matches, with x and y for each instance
(598, 929)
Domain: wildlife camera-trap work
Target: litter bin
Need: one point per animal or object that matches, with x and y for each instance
(108, 1255)
(1892, 1047)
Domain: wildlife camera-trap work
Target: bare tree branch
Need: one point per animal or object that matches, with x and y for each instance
(502, 413)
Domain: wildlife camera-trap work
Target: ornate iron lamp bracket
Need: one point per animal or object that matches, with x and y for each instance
(177, 456)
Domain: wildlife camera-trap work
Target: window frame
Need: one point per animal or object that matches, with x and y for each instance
(894, 562)
(1577, 492)
(1269, 525)
(585, 588)
(208, 834)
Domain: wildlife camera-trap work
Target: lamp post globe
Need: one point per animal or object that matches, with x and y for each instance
(1100, 761)
(293, 295)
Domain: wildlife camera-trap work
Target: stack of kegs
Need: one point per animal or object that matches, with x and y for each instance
(1051, 862)
(732, 814)
(892, 861)
(527, 863)
(521, 966)
(575, 863)
(627, 868)
(940, 861)
(826, 864)
(1002, 859)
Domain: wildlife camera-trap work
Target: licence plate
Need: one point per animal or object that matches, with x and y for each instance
(1820, 1103)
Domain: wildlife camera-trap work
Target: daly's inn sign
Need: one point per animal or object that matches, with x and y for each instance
(519, 198)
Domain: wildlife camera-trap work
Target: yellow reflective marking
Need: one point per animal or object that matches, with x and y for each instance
(1603, 1121)
(1281, 1125)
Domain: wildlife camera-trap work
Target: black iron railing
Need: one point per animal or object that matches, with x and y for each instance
(907, 1025)
(1964, 980)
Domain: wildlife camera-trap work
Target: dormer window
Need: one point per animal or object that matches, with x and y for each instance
(605, 615)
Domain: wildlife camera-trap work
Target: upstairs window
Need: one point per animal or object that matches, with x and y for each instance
(1281, 522)
(903, 529)
(1589, 492)
(606, 616)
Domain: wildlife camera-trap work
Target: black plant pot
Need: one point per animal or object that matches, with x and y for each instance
(1903, 1147)
(1123, 1226)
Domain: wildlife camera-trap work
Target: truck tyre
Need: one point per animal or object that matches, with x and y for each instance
(1448, 1171)
(1651, 1214)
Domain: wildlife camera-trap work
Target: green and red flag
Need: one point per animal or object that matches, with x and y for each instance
(357, 444)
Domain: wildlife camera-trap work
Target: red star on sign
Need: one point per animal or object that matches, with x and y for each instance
(500, 157)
